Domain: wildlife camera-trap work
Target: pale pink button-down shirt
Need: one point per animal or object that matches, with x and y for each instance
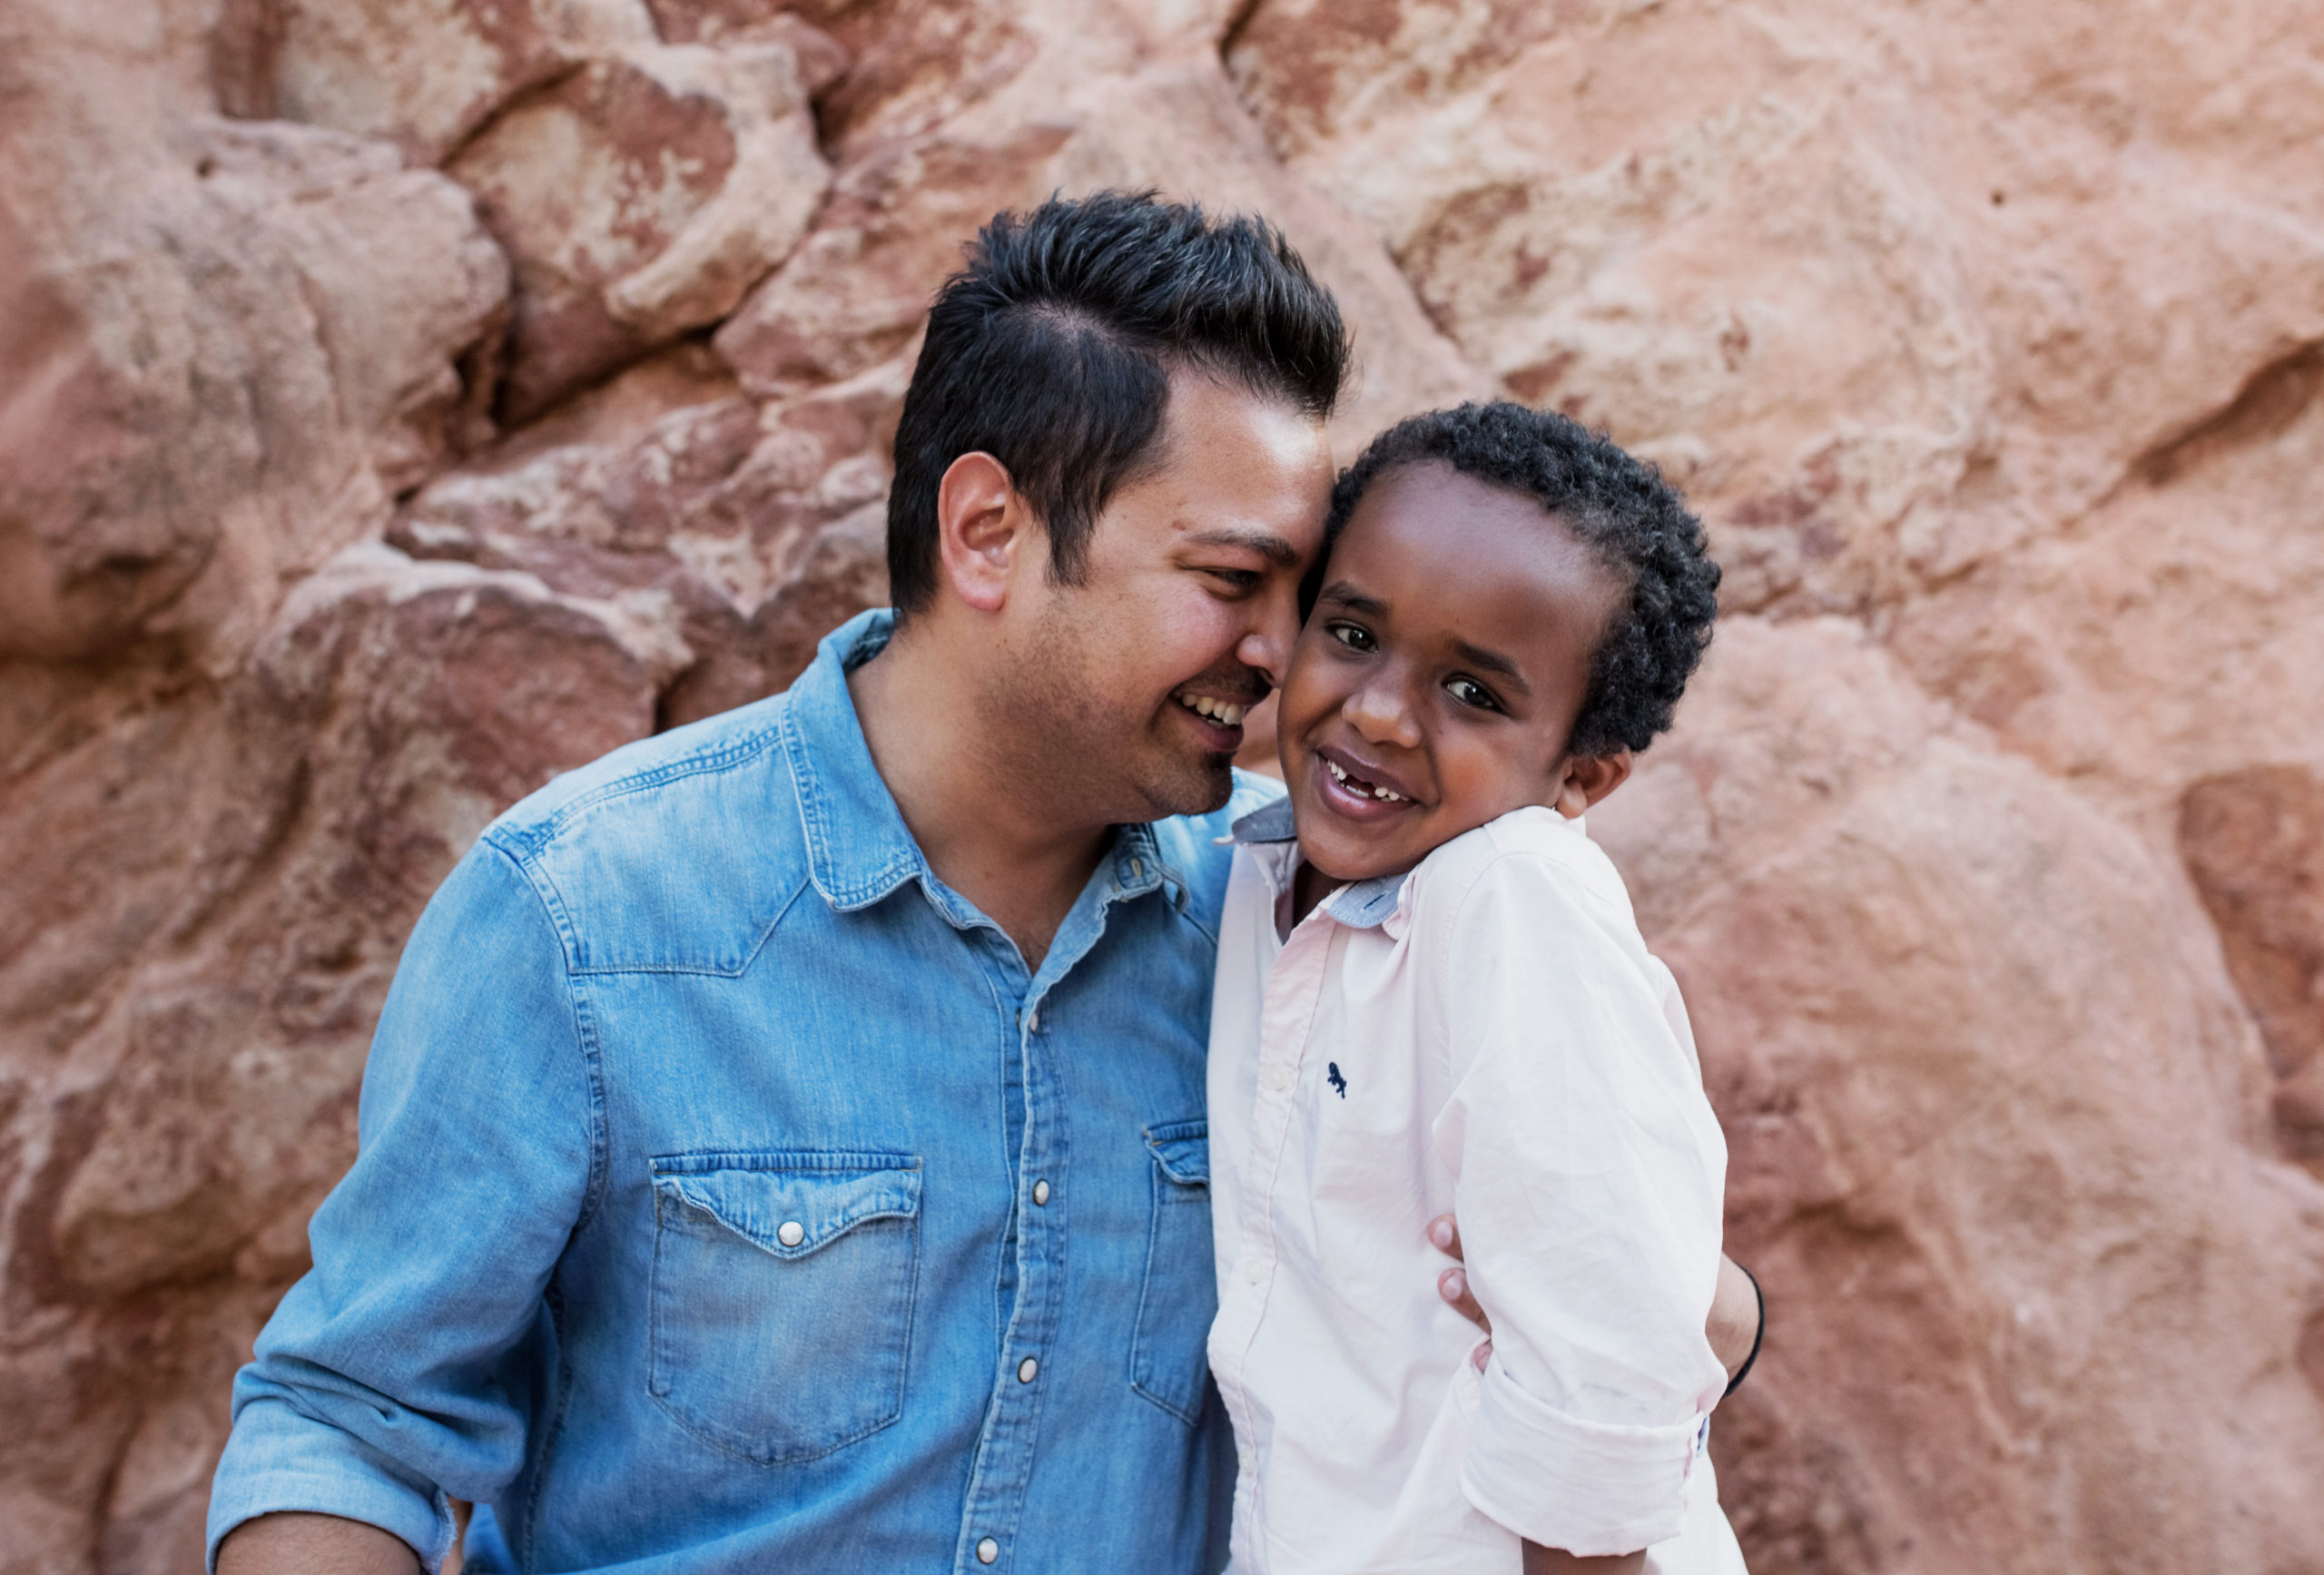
(1487, 1035)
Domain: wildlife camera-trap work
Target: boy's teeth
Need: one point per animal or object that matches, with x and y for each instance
(1377, 792)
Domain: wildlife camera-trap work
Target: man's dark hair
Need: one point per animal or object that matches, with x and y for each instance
(1052, 351)
(1615, 505)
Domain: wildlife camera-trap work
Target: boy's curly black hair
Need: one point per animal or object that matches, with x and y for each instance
(1615, 504)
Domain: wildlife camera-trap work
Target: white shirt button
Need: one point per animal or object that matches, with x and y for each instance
(1254, 1271)
(987, 1550)
(1277, 1078)
(791, 1232)
(1041, 1194)
(1026, 1369)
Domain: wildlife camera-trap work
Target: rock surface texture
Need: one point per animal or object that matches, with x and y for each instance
(403, 401)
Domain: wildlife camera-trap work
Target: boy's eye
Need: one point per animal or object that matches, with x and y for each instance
(1355, 636)
(1236, 579)
(1469, 692)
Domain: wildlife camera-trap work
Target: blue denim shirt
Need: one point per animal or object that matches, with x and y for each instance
(731, 1199)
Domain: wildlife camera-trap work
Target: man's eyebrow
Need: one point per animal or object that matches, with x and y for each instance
(1341, 594)
(1265, 543)
(1492, 662)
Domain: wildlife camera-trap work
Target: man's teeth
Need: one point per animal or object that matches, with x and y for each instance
(1350, 783)
(1219, 711)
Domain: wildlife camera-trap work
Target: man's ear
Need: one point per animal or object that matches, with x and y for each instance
(982, 529)
(1588, 779)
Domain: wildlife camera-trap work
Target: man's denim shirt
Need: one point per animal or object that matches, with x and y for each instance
(730, 1198)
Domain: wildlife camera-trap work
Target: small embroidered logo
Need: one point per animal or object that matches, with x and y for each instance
(1332, 1075)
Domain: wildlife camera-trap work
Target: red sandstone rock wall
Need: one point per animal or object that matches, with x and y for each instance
(401, 400)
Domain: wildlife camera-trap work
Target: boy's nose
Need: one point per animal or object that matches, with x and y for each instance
(1380, 711)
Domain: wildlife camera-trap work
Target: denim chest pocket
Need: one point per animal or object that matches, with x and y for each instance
(781, 1319)
(1180, 1296)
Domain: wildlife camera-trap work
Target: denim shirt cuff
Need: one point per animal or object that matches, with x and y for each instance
(279, 1460)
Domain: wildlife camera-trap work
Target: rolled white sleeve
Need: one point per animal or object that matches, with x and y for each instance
(1566, 1481)
(1590, 1173)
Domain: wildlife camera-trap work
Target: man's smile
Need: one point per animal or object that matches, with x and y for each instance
(1226, 713)
(1217, 719)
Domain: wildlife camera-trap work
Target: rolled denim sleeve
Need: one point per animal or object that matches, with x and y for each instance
(400, 1367)
(1590, 1170)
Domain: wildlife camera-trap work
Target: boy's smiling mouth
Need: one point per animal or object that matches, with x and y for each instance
(1357, 789)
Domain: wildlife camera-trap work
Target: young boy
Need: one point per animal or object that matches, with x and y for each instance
(1437, 999)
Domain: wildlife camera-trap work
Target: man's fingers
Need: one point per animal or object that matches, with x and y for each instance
(1482, 1354)
(1453, 1285)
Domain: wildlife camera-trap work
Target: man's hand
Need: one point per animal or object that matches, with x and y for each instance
(1734, 1324)
(1453, 1285)
(1733, 1327)
(301, 1544)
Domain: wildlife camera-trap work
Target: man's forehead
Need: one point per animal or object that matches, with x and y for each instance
(1235, 458)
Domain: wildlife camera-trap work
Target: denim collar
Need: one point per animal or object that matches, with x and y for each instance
(1360, 906)
(859, 849)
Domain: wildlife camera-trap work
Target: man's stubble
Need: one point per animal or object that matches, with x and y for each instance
(1087, 754)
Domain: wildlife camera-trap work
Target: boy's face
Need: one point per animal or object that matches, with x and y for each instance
(1445, 662)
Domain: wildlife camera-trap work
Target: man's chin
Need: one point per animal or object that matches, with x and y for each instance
(1192, 788)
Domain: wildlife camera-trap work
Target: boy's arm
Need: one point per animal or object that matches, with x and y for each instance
(385, 1378)
(1590, 1172)
(1541, 1560)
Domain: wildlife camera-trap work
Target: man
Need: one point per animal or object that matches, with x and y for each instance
(783, 1146)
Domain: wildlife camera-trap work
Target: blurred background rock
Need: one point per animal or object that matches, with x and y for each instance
(403, 400)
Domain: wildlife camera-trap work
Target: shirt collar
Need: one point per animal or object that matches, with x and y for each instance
(1270, 822)
(1361, 905)
(859, 849)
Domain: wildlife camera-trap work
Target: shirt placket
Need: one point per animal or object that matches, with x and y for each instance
(1293, 991)
(1006, 1450)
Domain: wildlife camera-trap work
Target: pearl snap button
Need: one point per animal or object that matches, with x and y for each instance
(1033, 1020)
(791, 1232)
(1026, 1369)
(1041, 1194)
(987, 1550)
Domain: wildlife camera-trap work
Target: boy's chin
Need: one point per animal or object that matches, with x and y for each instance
(1344, 858)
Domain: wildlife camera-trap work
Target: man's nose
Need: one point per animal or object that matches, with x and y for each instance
(1266, 644)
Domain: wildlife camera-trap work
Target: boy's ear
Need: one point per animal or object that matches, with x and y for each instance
(1588, 779)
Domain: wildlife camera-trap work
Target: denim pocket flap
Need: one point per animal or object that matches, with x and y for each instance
(795, 1210)
(1183, 1150)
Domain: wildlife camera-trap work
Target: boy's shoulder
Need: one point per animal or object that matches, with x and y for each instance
(1529, 857)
